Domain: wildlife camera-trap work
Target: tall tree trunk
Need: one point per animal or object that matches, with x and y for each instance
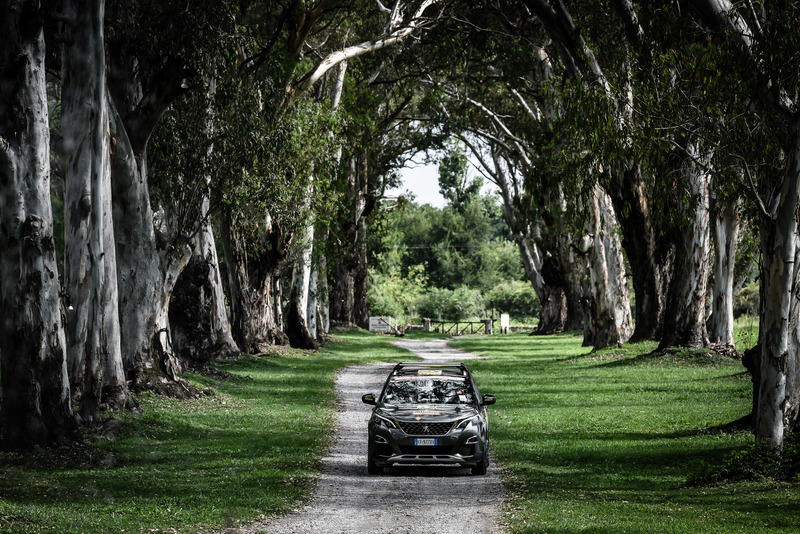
(148, 266)
(562, 307)
(650, 258)
(552, 305)
(779, 330)
(349, 296)
(611, 320)
(36, 405)
(250, 281)
(342, 306)
(94, 354)
(360, 302)
(197, 313)
(297, 324)
(319, 315)
(205, 246)
(323, 293)
(149, 260)
(685, 322)
(312, 314)
(725, 235)
(553, 314)
(571, 268)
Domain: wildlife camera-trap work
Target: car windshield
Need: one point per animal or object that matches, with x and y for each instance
(428, 390)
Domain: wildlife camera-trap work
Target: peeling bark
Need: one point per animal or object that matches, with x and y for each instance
(147, 266)
(250, 281)
(778, 198)
(725, 235)
(684, 323)
(323, 292)
(197, 313)
(94, 353)
(349, 294)
(651, 258)
(610, 310)
(36, 405)
(298, 327)
(779, 332)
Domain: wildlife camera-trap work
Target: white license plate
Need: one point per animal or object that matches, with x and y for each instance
(422, 442)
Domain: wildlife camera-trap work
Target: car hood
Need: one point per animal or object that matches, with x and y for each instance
(428, 412)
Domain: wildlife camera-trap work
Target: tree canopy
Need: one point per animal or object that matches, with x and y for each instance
(629, 141)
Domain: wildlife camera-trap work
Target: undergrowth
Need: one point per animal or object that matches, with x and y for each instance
(755, 463)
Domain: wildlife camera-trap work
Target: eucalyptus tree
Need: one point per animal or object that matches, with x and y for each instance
(726, 228)
(608, 83)
(147, 72)
(763, 41)
(290, 33)
(36, 405)
(378, 123)
(596, 250)
(511, 116)
(94, 352)
(183, 174)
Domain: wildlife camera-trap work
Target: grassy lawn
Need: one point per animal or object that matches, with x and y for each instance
(589, 442)
(252, 448)
(606, 441)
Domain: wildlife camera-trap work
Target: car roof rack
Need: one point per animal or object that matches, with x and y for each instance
(412, 368)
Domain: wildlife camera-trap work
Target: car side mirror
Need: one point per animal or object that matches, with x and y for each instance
(488, 400)
(369, 398)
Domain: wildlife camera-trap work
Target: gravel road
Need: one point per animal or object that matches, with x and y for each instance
(409, 499)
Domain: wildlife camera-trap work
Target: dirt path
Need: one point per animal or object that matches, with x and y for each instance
(434, 499)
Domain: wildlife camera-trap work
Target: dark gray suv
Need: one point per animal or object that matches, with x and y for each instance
(429, 414)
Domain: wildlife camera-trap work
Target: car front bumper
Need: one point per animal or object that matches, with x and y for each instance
(393, 446)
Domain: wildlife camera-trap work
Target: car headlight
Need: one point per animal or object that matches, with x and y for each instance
(382, 421)
(466, 422)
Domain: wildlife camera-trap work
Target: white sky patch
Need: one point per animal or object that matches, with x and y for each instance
(422, 179)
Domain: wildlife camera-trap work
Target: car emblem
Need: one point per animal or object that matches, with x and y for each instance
(418, 418)
(426, 429)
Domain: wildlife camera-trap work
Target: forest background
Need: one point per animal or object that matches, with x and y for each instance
(224, 166)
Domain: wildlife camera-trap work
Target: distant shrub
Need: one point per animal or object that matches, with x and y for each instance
(747, 301)
(451, 305)
(518, 299)
(391, 294)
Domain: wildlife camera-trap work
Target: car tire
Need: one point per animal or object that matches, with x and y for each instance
(483, 465)
(372, 467)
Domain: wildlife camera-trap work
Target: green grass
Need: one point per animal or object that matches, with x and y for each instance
(745, 332)
(606, 441)
(252, 448)
(588, 443)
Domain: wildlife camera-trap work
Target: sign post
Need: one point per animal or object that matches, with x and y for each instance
(381, 324)
(504, 323)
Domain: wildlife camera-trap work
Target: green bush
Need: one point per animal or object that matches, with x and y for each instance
(451, 304)
(747, 301)
(518, 299)
(395, 295)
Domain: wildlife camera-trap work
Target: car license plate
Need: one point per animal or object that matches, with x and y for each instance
(422, 442)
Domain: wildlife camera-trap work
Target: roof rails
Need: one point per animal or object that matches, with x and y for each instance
(414, 366)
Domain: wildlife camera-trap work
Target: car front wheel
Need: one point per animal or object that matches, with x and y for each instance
(483, 465)
(372, 467)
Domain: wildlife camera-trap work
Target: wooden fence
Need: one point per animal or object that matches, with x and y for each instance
(459, 328)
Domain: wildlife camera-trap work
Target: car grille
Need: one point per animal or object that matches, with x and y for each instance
(426, 429)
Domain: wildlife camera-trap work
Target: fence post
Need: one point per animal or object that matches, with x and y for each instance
(426, 324)
(489, 328)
